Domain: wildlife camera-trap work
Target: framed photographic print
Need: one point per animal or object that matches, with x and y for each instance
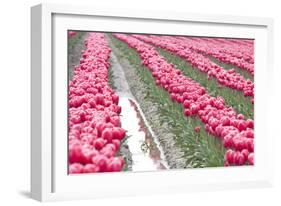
(137, 102)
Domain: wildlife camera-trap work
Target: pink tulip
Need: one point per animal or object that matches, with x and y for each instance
(93, 110)
(220, 120)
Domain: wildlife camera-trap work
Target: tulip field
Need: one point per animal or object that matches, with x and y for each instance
(156, 102)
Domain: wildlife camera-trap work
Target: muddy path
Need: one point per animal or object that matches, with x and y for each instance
(172, 154)
(141, 149)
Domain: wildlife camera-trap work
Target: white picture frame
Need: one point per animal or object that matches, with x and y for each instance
(49, 179)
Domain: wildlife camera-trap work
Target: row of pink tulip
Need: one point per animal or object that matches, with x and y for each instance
(224, 50)
(221, 121)
(236, 45)
(240, 42)
(228, 78)
(95, 131)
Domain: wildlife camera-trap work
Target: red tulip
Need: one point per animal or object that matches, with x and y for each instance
(71, 34)
(250, 123)
(239, 159)
(245, 153)
(240, 116)
(118, 133)
(107, 134)
(115, 99)
(115, 121)
(251, 158)
(75, 168)
(114, 165)
(187, 112)
(117, 143)
(229, 156)
(75, 153)
(101, 161)
(90, 168)
(99, 143)
(197, 129)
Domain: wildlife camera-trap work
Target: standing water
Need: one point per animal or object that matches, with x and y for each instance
(143, 145)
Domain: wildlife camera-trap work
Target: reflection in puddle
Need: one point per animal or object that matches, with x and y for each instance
(144, 151)
(144, 148)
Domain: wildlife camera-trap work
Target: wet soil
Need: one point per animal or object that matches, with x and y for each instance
(172, 153)
(140, 149)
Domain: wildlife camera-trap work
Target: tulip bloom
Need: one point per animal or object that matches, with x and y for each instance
(94, 122)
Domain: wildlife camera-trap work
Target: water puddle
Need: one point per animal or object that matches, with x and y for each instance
(145, 153)
(143, 145)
